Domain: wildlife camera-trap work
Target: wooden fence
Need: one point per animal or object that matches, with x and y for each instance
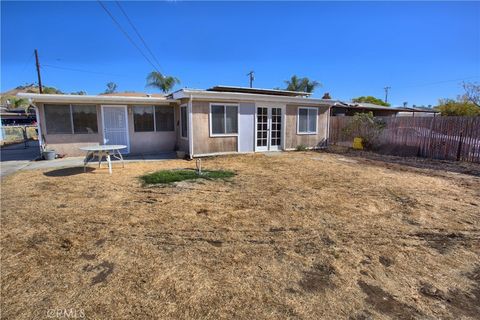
(447, 138)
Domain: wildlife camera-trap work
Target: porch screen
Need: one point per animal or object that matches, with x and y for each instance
(143, 118)
(164, 118)
(57, 119)
(84, 119)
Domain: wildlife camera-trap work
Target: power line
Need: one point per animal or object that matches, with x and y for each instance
(437, 82)
(82, 70)
(138, 34)
(126, 35)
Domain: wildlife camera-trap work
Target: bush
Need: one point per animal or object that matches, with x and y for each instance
(301, 147)
(365, 126)
(170, 176)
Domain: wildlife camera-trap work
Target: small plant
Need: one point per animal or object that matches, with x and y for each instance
(170, 176)
(365, 126)
(301, 147)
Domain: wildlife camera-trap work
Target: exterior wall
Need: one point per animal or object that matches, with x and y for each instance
(69, 144)
(202, 142)
(292, 139)
(149, 142)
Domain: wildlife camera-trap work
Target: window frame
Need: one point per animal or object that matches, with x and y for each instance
(210, 127)
(180, 122)
(70, 110)
(308, 118)
(154, 107)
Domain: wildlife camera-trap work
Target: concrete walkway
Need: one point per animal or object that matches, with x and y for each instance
(16, 157)
(10, 166)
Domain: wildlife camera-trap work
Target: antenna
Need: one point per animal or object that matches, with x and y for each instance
(252, 77)
(386, 93)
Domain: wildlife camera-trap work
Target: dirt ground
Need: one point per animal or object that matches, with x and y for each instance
(299, 235)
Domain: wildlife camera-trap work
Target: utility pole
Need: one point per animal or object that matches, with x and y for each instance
(40, 89)
(386, 93)
(252, 77)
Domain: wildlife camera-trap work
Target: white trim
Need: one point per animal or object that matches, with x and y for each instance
(39, 128)
(180, 121)
(308, 122)
(126, 122)
(72, 98)
(247, 97)
(190, 127)
(216, 135)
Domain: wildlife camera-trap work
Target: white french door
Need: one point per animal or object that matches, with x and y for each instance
(269, 129)
(115, 126)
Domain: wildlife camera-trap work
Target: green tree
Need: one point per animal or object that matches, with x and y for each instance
(15, 102)
(371, 99)
(51, 90)
(111, 87)
(80, 93)
(159, 81)
(301, 84)
(450, 107)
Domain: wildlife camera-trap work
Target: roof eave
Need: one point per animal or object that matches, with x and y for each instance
(71, 98)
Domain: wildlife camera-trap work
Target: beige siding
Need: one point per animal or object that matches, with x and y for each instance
(202, 142)
(292, 139)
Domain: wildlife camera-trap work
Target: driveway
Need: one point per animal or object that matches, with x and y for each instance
(17, 156)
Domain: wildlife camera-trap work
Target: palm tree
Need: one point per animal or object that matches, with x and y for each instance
(301, 84)
(159, 81)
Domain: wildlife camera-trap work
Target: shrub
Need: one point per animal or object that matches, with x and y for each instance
(365, 126)
(301, 147)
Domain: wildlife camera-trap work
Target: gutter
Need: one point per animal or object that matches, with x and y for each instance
(70, 98)
(190, 127)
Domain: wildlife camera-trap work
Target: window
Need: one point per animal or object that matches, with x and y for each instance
(183, 121)
(223, 119)
(143, 119)
(164, 118)
(60, 119)
(307, 121)
(153, 118)
(84, 119)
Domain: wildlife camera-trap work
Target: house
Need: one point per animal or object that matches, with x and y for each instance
(219, 120)
(349, 109)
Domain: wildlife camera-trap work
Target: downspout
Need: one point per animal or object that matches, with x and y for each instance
(39, 128)
(190, 128)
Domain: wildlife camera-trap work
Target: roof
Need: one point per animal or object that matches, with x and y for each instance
(197, 94)
(132, 94)
(273, 92)
(105, 99)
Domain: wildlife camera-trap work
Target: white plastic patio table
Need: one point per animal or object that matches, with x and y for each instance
(101, 151)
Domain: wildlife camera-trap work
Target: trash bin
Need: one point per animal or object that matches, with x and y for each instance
(49, 155)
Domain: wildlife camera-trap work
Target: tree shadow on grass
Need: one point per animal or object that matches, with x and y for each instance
(65, 172)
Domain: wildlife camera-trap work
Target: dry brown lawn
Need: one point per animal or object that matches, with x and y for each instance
(305, 235)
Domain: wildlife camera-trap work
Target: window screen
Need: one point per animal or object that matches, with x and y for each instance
(84, 119)
(57, 119)
(183, 121)
(164, 119)
(143, 118)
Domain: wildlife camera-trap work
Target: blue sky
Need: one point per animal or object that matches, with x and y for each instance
(422, 50)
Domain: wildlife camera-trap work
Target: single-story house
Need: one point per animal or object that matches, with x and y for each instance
(219, 120)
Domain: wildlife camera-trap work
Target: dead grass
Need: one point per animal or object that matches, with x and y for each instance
(298, 235)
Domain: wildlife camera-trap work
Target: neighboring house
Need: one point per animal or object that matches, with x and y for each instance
(219, 120)
(349, 109)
